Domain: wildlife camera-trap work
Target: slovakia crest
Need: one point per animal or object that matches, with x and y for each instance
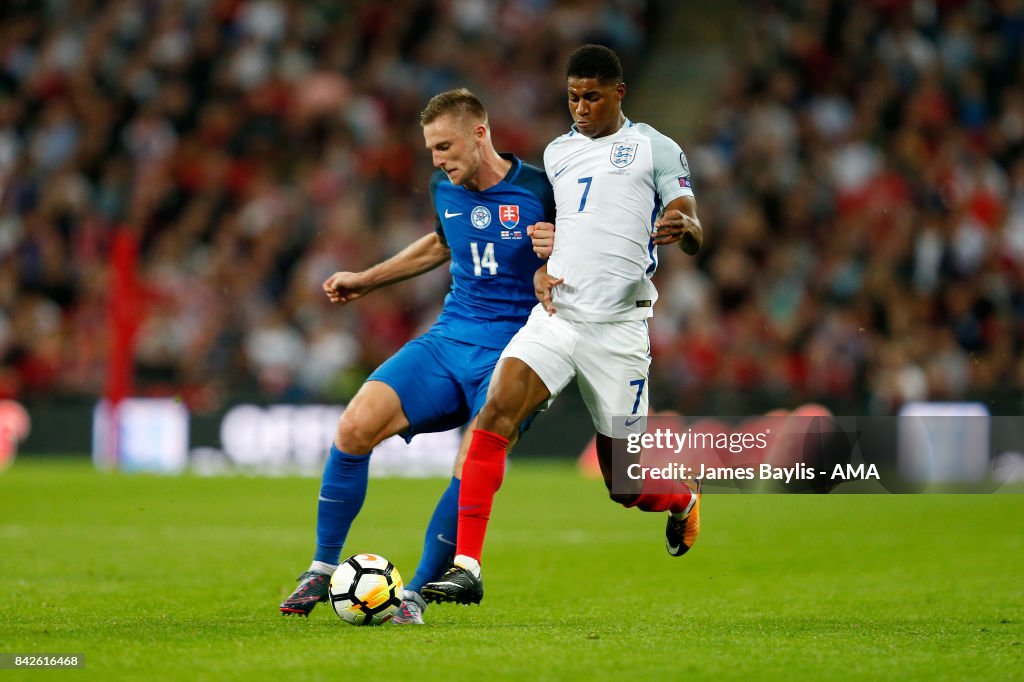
(480, 216)
(623, 153)
(508, 215)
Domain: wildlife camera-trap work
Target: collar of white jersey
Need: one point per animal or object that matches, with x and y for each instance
(573, 130)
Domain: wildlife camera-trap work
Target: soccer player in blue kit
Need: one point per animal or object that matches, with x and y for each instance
(483, 203)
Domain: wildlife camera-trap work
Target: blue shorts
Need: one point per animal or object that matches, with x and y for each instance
(441, 383)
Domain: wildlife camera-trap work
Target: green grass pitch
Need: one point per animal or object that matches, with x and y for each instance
(179, 578)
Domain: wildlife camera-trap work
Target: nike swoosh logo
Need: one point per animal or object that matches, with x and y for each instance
(630, 422)
(450, 215)
(440, 583)
(559, 172)
(442, 538)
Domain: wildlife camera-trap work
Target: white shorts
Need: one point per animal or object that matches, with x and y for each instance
(610, 361)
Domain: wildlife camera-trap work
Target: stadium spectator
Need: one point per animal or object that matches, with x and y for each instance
(862, 180)
(255, 146)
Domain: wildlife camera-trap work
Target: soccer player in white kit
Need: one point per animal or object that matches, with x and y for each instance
(611, 180)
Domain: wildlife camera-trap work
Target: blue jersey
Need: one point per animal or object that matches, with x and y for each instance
(492, 258)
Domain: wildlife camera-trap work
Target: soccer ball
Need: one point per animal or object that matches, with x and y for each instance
(366, 590)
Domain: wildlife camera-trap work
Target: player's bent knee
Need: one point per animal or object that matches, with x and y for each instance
(355, 435)
(498, 416)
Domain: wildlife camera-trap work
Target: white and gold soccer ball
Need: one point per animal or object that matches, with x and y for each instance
(366, 590)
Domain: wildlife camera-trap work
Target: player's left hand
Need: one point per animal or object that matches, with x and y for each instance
(543, 283)
(543, 237)
(676, 226)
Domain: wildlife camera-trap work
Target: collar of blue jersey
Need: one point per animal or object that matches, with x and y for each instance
(513, 170)
(625, 124)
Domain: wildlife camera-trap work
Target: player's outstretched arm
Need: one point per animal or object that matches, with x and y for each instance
(679, 223)
(424, 254)
(543, 283)
(543, 237)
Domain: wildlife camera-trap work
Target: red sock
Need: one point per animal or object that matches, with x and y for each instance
(481, 477)
(659, 502)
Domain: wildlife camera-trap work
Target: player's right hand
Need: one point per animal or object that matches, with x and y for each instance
(543, 237)
(543, 283)
(345, 287)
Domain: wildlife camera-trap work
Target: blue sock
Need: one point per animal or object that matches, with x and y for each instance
(342, 492)
(439, 542)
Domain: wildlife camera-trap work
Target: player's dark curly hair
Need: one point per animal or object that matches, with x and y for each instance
(461, 102)
(595, 61)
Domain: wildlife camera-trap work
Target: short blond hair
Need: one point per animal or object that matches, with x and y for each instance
(460, 102)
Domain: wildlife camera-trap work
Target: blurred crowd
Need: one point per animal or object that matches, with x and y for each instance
(250, 148)
(859, 175)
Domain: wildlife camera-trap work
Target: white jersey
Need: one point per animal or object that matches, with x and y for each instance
(608, 192)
